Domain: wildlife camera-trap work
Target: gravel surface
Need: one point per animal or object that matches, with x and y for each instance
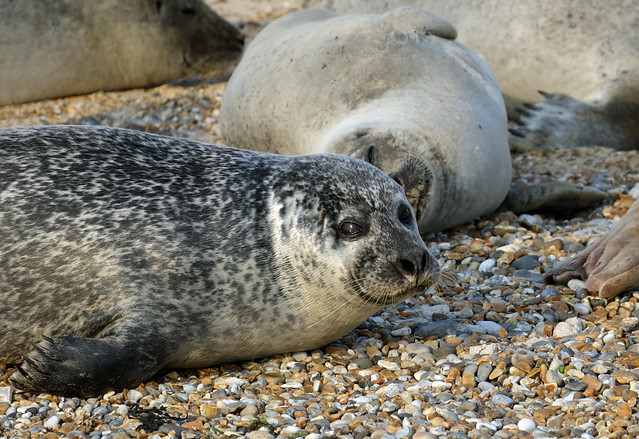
(492, 352)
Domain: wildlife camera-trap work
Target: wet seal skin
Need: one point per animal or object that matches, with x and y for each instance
(54, 48)
(124, 253)
(395, 90)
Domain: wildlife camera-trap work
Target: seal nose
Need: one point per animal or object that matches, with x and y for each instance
(415, 267)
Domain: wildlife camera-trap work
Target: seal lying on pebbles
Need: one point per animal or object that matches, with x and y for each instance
(610, 265)
(130, 252)
(66, 47)
(395, 90)
(587, 55)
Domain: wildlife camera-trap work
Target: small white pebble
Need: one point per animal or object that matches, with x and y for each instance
(52, 423)
(526, 424)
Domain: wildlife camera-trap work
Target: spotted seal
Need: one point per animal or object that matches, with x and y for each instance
(59, 48)
(395, 90)
(131, 252)
(584, 55)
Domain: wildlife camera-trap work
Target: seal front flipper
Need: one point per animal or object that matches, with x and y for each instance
(79, 366)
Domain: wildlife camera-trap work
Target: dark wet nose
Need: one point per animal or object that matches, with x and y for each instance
(415, 266)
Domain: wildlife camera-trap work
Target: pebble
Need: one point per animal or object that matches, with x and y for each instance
(526, 424)
(492, 352)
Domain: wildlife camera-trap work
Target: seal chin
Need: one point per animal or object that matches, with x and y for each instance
(388, 297)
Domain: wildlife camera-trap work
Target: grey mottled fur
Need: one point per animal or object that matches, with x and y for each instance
(130, 252)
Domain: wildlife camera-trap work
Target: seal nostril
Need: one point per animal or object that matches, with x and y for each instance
(407, 267)
(424, 261)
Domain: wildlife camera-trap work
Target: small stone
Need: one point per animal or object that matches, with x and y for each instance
(623, 410)
(582, 309)
(499, 399)
(483, 372)
(577, 386)
(572, 326)
(491, 328)
(134, 395)
(624, 376)
(576, 284)
(486, 266)
(553, 377)
(526, 424)
(52, 423)
(526, 262)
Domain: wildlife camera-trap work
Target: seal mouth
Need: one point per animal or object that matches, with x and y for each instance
(386, 299)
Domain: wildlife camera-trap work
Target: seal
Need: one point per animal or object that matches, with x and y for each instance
(67, 47)
(395, 90)
(588, 61)
(131, 252)
(609, 265)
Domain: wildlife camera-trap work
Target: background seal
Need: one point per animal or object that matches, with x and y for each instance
(54, 48)
(395, 90)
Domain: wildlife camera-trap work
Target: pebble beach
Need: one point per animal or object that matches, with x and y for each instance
(490, 352)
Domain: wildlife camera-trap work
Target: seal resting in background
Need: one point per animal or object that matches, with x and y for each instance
(610, 265)
(584, 52)
(130, 252)
(395, 90)
(55, 48)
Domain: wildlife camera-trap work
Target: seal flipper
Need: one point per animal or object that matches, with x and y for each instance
(564, 122)
(79, 366)
(555, 195)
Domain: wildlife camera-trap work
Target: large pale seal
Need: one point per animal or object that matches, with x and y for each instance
(55, 48)
(585, 52)
(395, 90)
(130, 252)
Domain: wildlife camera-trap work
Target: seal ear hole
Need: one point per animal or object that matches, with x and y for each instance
(351, 230)
(158, 5)
(190, 12)
(405, 214)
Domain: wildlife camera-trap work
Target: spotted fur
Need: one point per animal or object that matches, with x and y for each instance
(130, 252)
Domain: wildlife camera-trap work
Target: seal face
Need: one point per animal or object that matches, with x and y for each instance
(66, 47)
(394, 89)
(130, 252)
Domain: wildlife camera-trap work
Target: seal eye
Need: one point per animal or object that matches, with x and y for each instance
(370, 154)
(405, 214)
(349, 229)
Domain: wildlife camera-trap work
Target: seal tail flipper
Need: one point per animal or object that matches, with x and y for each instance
(564, 122)
(78, 366)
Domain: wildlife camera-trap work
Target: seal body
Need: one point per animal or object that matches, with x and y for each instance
(584, 54)
(131, 252)
(395, 90)
(53, 48)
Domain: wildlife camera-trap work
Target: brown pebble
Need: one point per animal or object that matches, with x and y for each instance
(624, 376)
(594, 385)
(332, 350)
(193, 425)
(623, 410)
(208, 410)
